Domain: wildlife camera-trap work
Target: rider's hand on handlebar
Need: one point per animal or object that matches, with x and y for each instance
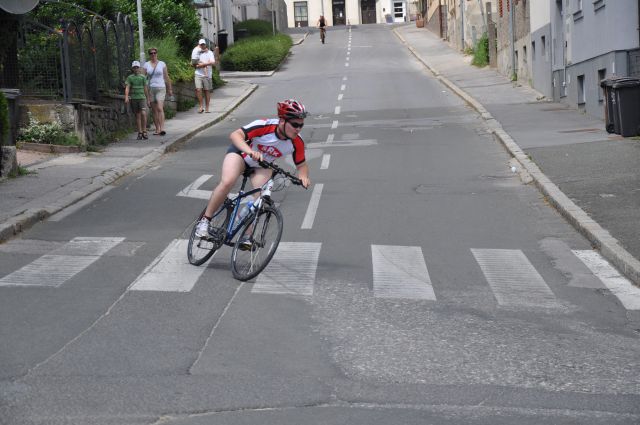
(256, 156)
(306, 181)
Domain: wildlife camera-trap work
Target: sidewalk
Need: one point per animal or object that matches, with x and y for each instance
(59, 181)
(591, 177)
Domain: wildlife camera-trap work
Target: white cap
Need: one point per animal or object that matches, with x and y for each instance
(135, 63)
(202, 41)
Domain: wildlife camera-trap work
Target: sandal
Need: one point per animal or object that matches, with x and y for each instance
(200, 111)
(139, 136)
(162, 133)
(145, 136)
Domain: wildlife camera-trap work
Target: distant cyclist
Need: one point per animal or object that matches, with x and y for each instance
(322, 24)
(260, 140)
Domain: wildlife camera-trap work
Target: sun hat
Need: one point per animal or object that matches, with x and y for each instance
(202, 41)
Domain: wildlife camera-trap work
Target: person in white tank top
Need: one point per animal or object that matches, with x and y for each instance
(159, 85)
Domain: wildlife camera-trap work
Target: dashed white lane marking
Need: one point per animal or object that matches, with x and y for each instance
(310, 216)
(337, 110)
(344, 78)
(325, 161)
(340, 96)
(620, 286)
(400, 272)
(62, 264)
(334, 125)
(346, 64)
(342, 87)
(513, 279)
(194, 191)
(330, 138)
(292, 270)
(170, 271)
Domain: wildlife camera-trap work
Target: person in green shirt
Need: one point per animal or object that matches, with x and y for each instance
(136, 92)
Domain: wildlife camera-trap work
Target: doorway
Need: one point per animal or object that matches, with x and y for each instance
(339, 17)
(368, 11)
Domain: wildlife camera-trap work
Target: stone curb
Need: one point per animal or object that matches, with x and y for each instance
(601, 239)
(18, 223)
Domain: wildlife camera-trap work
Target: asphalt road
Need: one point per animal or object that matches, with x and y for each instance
(434, 287)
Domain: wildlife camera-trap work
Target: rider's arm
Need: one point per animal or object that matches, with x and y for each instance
(238, 140)
(303, 174)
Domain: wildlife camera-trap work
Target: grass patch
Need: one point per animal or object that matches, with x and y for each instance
(20, 171)
(481, 52)
(262, 53)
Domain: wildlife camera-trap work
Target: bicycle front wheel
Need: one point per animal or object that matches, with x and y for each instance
(200, 250)
(257, 244)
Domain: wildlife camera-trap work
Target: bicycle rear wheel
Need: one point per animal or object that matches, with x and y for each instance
(263, 236)
(200, 250)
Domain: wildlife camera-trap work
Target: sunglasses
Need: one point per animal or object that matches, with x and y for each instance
(153, 53)
(296, 124)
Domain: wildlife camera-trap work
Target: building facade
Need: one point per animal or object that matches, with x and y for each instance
(305, 13)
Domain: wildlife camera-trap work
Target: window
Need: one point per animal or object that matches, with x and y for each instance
(301, 14)
(543, 47)
(533, 50)
(602, 74)
(524, 55)
(581, 94)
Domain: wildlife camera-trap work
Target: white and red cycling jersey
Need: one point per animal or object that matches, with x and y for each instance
(262, 137)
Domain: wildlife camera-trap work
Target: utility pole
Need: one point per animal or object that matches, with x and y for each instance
(462, 22)
(140, 34)
(514, 74)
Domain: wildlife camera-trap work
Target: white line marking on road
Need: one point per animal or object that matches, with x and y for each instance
(334, 125)
(400, 272)
(80, 204)
(620, 286)
(340, 97)
(346, 64)
(62, 264)
(342, 143)
(193, 191)
(170, 271)
(310, 216)
(337, 110)
(292, 270)
(513, 279)
(342, 87)
(325, 161)
(330, 138)
(344, 78)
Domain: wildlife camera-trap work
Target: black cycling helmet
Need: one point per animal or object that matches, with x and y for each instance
(290, 108)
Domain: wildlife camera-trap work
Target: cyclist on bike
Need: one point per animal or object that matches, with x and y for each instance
(322, 23)
(260, 140)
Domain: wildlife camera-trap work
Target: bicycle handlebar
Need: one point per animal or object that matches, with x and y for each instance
(266, 164)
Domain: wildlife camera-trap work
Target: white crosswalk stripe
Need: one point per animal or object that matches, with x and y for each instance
(400, 272)
(620, 286)
(513, 279)
(170, 271)
(292, 270)
(62, 264)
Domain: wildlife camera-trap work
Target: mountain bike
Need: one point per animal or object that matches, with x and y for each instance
(259, 231)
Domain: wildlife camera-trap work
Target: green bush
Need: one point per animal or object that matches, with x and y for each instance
(47, 133)
(257, 53)
(4, 118)
(254, 27)
(481, 52)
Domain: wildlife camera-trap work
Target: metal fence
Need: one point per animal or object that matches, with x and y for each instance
(73, 62)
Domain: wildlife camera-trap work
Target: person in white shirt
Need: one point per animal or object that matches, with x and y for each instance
(203, 59)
